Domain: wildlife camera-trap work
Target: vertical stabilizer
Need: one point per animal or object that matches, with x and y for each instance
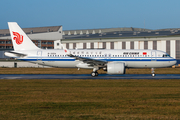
(19, 38)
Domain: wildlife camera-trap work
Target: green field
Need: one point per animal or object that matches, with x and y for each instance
(89, 99)
(82, 71)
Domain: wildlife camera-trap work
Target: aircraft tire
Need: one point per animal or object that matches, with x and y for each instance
(96, 73)
(93, 74)
(153, 75)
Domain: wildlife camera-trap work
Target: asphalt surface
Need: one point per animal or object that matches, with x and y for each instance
(88, 76)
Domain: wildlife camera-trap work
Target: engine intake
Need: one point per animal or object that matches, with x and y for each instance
(116, 68)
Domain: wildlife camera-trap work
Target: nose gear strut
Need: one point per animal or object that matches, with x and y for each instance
(153, 72)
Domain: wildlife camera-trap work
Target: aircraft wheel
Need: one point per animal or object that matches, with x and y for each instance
(96, 73)
(152, 71)
(153, 75)
(93, 74)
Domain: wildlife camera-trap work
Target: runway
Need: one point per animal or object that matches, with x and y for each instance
(88, 76)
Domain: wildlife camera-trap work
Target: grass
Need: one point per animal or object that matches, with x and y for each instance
(89, 99)
(82, 71)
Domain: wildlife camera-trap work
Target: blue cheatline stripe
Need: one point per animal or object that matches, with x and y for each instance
(48, 59)
(100, 57)
(30, 59)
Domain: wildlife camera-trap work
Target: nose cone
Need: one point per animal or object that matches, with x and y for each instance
(173, 62)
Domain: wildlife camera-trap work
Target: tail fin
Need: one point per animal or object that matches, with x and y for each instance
(19, 38)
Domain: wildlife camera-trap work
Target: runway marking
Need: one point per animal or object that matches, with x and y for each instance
(11, 78)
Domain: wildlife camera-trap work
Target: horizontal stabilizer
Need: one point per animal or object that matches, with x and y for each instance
(14, 54)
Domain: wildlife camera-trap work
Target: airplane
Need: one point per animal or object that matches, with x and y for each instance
(114, 61)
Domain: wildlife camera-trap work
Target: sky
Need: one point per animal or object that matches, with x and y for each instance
(91, 14)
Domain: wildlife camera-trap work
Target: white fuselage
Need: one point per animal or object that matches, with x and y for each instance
(131, 58)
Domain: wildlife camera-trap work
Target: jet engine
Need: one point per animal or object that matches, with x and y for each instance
(116, 68)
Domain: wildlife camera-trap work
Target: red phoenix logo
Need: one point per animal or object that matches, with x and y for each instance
(18, 38)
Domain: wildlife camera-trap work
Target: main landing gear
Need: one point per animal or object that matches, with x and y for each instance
(152, 72)
(95, 73)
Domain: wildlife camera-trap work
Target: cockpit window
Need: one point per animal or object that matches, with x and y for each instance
(166, 55)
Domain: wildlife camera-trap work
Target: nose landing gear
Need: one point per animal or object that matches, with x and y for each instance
(153, 72)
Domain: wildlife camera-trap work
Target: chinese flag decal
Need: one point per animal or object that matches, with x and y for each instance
(144, 53)
(18, 38)
(65, 51)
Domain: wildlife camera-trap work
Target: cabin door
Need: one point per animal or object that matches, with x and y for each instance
(39, 55)
(153, 56)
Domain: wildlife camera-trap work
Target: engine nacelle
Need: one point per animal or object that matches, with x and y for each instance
(116, 68)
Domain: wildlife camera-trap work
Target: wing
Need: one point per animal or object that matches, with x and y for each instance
(91, 62)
